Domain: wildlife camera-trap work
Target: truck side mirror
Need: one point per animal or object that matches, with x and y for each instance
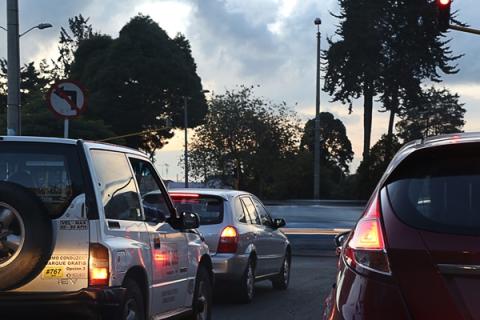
(189, 220)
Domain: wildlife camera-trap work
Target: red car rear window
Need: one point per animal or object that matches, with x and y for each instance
(438, 189)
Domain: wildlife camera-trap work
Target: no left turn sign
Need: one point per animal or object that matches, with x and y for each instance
(67, 99)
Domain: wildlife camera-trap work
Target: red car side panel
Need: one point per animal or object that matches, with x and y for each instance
(420, 282)
(360, 297)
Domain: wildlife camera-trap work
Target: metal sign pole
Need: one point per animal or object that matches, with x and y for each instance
(464, 29)
(65, 128)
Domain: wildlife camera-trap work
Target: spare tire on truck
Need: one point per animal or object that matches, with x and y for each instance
(25, 236)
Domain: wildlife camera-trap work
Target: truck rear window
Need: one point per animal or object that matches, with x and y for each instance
(208, 208)
(438, 189)
(51, 171)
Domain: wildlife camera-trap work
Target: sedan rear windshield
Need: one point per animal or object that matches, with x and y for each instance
(51, 171)
(208, 208)
(438, 189)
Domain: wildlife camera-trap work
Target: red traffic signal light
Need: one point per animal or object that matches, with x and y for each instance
(444, 14)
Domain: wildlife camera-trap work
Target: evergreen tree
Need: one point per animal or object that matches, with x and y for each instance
(439, 112)
(414, 51)
(354, 61)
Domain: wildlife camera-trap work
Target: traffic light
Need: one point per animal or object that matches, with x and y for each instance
(444, 14)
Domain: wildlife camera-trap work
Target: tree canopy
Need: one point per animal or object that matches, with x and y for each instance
(134, 84)
(386, 48)
(372, 168)
(244, 140)
(138, 80)
(438, 112)
(336, 148)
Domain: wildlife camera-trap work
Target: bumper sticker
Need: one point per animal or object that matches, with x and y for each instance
(68, 266)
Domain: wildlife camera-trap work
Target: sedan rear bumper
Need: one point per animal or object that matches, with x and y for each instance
(229, 267)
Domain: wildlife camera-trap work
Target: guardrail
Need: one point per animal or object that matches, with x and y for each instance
(300, 202)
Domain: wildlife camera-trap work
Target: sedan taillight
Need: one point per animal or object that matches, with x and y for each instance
(228, 242)
(366, 246)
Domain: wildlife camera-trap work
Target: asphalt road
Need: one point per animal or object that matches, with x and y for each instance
(311, 280)
(319, 222)
(313, 269)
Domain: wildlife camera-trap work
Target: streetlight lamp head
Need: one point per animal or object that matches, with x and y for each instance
(318, 21)
(42, 26)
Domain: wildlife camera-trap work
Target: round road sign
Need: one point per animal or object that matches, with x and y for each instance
(67, 99)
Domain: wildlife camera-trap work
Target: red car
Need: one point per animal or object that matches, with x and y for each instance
(415, 252)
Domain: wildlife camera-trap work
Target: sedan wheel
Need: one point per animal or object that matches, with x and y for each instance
(247, 285)
(282, 280)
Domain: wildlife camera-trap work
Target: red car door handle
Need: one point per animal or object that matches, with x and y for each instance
(459, 269)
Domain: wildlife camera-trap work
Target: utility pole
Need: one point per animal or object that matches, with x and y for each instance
(316, 174)
(185, 106)
(13, 73)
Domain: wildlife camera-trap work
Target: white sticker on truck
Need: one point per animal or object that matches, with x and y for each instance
(73, 225)
(66, 266)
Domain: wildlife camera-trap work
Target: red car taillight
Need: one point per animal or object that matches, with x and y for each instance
(98, 266)
(228, 242)
(366, 246)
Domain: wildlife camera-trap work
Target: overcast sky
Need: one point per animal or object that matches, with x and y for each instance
(270, 43)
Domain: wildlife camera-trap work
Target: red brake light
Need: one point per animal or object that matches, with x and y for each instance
(99, 274)
(184, 195)
(228, 242)
(367, 236)
(366, 246)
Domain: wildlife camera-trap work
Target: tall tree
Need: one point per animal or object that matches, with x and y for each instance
(414, 50)
(244, 141)
(336, 148)
(78, 30)
(354, 60)
(439, 112)
(138, 79)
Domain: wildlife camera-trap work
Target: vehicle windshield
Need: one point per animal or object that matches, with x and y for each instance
(50, 171)
(208, 208)
(438, 189)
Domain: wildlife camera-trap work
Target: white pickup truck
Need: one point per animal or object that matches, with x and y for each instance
(89, 230)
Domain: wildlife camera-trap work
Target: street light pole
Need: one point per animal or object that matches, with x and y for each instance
(13, 73)
(316, 174)
(185, 123)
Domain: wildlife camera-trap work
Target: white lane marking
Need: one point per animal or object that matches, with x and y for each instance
(313, 231)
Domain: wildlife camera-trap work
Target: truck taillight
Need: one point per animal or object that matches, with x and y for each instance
(228, 242)
(366, 246)
(98, 267)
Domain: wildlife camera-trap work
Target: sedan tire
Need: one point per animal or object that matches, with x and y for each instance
(282, 280)
(246, 290)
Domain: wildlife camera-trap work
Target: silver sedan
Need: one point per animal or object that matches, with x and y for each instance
(245, 243)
